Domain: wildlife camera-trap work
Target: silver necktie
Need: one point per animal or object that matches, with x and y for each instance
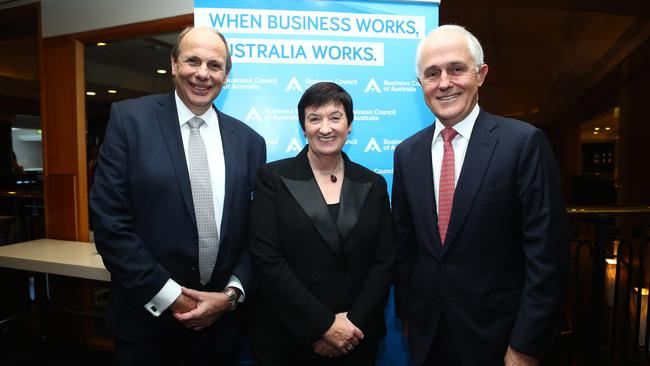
(203, 202)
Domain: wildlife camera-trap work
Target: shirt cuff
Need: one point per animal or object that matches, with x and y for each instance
(164, 298)
(236, 283)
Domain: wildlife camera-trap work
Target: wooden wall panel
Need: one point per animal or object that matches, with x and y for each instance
(61, 203)
(64, 143)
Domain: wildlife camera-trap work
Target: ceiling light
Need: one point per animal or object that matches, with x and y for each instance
(595, 132)
(101, 44)
(112, 91)
(607, 128)
(161, 71)
(91, 93)
(596, 128)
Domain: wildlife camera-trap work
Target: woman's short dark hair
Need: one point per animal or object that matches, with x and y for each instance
(324, 93)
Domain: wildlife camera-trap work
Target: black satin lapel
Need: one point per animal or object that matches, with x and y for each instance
(477, 159)
(171, 132)
(230, 154)
(353, 197)
(310, 199)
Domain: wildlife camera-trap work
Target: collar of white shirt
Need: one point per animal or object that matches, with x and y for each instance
(464, 127)
(184, 114)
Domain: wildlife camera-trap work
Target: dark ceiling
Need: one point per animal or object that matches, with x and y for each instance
(550, 61)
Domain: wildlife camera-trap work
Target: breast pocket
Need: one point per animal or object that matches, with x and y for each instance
(494, 194)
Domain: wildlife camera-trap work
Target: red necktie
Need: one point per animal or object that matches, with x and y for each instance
(447, 182)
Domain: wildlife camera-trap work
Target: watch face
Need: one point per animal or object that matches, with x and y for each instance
(232, 297)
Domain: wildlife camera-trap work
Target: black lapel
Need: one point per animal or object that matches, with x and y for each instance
(305, 191)
(171, 132)
(477, 159)
(353, 197)
(424, 185)
(230, 156)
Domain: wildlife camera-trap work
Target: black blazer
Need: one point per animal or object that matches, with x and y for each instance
(310, 267)
(499, 277)
(145, 229)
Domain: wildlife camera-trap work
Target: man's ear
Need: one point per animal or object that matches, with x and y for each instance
(482, 72)
(173, 63)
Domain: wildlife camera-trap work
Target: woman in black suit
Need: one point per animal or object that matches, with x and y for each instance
(323, 246)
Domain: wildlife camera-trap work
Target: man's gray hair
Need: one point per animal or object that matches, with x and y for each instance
(474, 46)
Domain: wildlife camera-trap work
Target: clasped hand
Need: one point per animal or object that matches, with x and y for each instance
(340, 338)
(209, 306)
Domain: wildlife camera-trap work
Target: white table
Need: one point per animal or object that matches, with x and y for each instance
(60, 257)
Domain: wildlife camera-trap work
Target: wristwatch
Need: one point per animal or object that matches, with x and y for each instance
(232, 297)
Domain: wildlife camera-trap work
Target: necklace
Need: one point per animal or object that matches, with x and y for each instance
(332, 173)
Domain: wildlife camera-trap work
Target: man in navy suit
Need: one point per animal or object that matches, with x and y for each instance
(480, 222)
(162, 311)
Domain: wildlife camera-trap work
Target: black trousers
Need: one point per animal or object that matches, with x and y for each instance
(442, 352)
(365, 354)
(177, 351)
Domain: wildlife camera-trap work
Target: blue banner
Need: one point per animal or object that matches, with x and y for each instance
(279, 48)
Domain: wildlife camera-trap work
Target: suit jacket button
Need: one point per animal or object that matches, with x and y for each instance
(438, 299)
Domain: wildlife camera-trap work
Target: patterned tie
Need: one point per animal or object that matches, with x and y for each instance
(203, 203)
(447, 182)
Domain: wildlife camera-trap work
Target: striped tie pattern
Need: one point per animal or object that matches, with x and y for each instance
(447, 182)
(203, 204)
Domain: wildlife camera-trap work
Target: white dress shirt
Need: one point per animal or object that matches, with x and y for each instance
(459, 143)
(211, 135)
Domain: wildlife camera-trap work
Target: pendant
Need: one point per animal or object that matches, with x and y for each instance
(333, 178)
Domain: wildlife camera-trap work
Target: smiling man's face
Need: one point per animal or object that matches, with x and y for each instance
(449, 77)
(200, 69)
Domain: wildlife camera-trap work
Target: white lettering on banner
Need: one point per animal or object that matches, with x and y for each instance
(373, 114)
(299, 51)
(346, 82)
(293, 85)
(294, 145)
(249, 83)
(272, 114)
(253, 115)
(391, 144)
(387, 112)
(351, 142)
(311, 23)
(400, 86)
(372, 146)
(383, 171)
(372, 86)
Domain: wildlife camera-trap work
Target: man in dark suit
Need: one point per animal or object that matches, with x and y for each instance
(170, 202)
(480, 222)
